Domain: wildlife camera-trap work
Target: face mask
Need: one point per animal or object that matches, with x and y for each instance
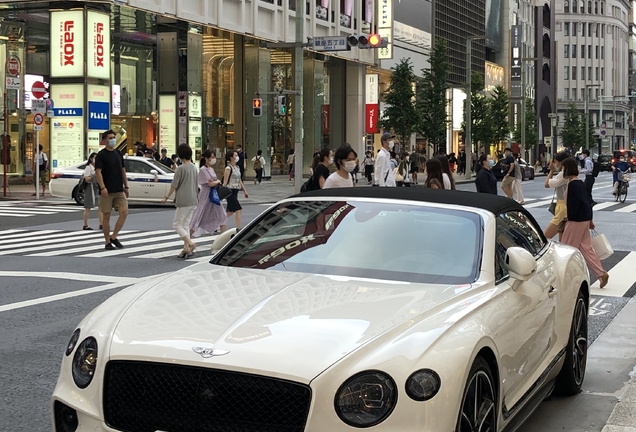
(112, 142)
(236, 159)
(330, 161)
(391, 144)
(213, 161)
(491, 163)
(349, 166)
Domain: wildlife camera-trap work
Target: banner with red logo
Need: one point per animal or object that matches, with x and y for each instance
(372, 104)
(67, 44)
(98, 40)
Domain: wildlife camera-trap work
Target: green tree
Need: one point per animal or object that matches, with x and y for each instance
(481, 126)
(532, 136)
(571, 131)
(499, 107)
(400, 114)
(431, 97)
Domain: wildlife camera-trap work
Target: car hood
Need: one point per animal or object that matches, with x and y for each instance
(289, 325)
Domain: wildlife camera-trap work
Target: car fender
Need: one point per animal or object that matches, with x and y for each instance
(100, 323)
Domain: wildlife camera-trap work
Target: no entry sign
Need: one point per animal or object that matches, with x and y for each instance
(13, 66)
(38, 90)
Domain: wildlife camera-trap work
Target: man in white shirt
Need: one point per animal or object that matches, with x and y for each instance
(588, 171)
(383, 171)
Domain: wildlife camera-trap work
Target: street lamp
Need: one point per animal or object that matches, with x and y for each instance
(587, 114)
(468, 142)
(523, 98)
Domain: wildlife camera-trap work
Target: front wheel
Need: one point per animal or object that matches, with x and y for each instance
(570, 378)
(623, 192)
(478, 410)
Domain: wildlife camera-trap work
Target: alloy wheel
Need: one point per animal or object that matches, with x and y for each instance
(478, 412)
(579, 342)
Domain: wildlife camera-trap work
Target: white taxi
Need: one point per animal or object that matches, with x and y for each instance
(148, 179)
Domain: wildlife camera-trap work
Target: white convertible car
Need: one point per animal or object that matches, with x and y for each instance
(148, 179)
(391, 309)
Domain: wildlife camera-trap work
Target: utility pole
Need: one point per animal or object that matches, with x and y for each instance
(298, 101)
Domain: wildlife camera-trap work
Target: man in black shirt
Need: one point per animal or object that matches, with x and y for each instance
(241, 163)
(166, 160)
(113, 188)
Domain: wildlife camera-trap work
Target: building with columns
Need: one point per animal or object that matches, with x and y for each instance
(165, 72)
(593, 62)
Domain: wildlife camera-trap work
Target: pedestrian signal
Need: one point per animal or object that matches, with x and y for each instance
(281, 106)
(257, 107)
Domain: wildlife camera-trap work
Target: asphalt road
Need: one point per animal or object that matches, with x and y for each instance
(45, 291)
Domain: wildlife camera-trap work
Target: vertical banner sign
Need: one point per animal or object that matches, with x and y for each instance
(372, 104)
(325, 106)
(98, 40)
(385, 28)
(168, 123)
(195, 127)
(116, 99)
(515, 74)
(67, 44)
(67, 125)
(98, 114)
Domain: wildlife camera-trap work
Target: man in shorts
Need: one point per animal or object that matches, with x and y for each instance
(113, 188)
(509, 179)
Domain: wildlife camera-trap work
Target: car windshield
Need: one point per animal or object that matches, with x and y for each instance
(159, 166)
(398, 242)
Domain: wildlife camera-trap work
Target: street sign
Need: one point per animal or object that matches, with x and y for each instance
(547, 141)
(38, 106)
(12, 83)
(38, 90)
(330, 43)
(38, 119)
(13, 65)
(38, 128)
(603, 132)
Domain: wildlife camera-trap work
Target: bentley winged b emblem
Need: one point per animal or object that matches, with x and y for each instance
(209, 352)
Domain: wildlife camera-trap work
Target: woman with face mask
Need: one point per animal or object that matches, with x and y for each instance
(345, 160)
(232, 179)
(485, 182)
(556, 181)
(91, 192)
(207, 217)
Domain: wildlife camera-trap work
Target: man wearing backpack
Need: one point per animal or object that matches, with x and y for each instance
(588, 171)
(259, 163)
(41, 163)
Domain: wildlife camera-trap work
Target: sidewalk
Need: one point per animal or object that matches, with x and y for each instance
(623, 418)
(269, 191)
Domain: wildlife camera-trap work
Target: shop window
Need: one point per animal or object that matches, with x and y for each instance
(574, 5)
(345, 13)
(582, 51)
(566, 72)
(596, 8)
(574, 26)
(602, 8)
(566, 29)
(322, 9)
(589, 7)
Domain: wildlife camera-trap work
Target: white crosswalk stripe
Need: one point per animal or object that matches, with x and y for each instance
(29, 209)
(611, 206)
(622, 278)
(90, 244)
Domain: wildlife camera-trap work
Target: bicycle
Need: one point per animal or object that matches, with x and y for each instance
(623, 185)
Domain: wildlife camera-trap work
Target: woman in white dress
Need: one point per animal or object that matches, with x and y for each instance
(345, 159)
(90, 192)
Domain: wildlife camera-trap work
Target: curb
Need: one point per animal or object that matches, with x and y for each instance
(623, 417)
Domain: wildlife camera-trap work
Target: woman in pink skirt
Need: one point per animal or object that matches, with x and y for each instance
(579, 224)
(207, 217)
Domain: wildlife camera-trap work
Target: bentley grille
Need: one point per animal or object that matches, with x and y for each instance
(149, 397)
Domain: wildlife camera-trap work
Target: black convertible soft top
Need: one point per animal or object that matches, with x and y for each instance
(492, 203)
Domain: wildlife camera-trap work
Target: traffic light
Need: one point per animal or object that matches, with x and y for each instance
(281, 105)
(257, 107)
(367, 42)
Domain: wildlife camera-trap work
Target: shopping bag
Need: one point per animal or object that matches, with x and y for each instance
(214, 196)
(601, 245)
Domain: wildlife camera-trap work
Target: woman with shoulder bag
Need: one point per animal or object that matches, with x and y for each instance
(91, 192)
(207, 217)
(580, 222)
(232, 179)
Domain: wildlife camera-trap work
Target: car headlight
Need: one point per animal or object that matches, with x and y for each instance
(71, 344)
(423, 385)
(366, 399)
(84, 362)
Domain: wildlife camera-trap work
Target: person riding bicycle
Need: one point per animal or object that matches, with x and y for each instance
(619, 165)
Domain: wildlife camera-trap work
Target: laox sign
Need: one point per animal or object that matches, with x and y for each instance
(99, 45)
(68, 43)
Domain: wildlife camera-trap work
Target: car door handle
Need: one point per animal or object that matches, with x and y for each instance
(132, 178)
(552, 291)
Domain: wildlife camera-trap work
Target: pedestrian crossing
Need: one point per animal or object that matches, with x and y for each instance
(156, 244)
(609, 206)
(21, 209)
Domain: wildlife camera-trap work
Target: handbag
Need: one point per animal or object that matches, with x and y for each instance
(214, 196)
(223, 191)
(601, 245)
(552, 208)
